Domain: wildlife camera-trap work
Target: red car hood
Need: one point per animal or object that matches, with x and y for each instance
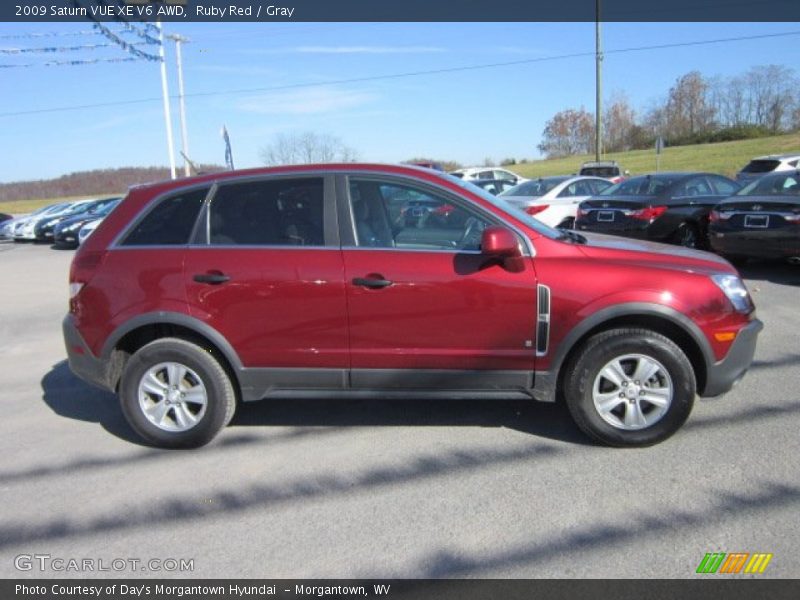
(609, 247)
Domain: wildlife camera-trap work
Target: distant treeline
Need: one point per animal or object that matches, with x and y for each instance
(89, 183)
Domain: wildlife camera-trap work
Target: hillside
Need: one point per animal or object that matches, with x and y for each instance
(724, 157)
(99, 182)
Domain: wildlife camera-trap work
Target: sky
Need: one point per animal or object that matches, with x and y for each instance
(260, 80)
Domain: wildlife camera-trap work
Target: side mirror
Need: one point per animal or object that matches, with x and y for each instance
(500, 242)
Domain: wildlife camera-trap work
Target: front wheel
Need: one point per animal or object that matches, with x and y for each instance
(630, 387)
(175, 394)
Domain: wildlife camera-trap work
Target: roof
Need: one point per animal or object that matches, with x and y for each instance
(777, 156)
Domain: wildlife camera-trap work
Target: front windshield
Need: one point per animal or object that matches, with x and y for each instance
(649, 185)
(508, 209)
(784, 184)
(535, 187)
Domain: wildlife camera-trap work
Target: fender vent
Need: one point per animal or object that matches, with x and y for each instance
(542, 319)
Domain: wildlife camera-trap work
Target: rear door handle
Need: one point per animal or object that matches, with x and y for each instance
(372, 283)
(212, 278)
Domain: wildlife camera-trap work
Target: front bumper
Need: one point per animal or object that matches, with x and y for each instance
(81, 360)
(723, 375)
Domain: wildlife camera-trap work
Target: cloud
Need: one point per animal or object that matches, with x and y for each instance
(355, 50)
(305, 102)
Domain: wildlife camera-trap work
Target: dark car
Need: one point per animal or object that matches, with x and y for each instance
(761, 221)
(662, 207)
(4, 217)
(44, 229)
(65, 233)
(493, 186)
(197, 294)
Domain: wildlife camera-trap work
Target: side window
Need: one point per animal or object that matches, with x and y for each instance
(282, 212)
(503, 175)
(170, 223)
(568, 191)
(390, 215)
(598, 186)
(486, 175)
(695, 187)
(723, 186)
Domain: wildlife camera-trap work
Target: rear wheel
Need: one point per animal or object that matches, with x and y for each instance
(568, 223)
(629, 387)
(688, 236)
(176, 394)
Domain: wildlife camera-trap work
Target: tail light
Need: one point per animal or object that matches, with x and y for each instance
(535, 210)
(649, 213)
(716, 216)
(582, 212)
(793, 218)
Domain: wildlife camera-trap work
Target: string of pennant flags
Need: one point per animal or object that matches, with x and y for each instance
(61, 63)
(147, 34)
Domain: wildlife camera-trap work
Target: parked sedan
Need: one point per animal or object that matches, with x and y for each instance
(761, 221)
(472, 173)
(554, 200)
(44, 229)
(663, 207)
(66, 232)
(24, 228)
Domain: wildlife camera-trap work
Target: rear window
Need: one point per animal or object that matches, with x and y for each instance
(170, 223)
(640, 186)
(600, 171)
(778, 184)
(761, 166)
(538, 187)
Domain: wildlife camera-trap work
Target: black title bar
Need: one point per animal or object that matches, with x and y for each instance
(400, 10)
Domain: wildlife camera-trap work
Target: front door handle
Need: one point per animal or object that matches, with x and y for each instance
(212, 278)
(372, 283)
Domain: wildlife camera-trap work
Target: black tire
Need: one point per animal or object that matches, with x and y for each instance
(735, 259)
(568, 223)
(585, 366)
(219, 393)
(688, 235)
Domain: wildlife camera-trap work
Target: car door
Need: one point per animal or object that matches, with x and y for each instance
(266, 272)
(426, 308)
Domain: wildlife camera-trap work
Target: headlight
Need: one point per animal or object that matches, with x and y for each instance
(72, 227)
(735, 290)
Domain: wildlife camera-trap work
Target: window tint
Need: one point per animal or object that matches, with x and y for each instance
(388, 215)
(723, 186)
(577, 188)
(598, 185)
(647, 185)
(504, 175)
(695, 187)
(170, 223)
(780, 183)
(284, 212)
(535, 187)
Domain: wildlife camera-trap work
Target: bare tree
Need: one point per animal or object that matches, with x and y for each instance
(687, 111)
(306, 147)
(568, 132)
(619, 121)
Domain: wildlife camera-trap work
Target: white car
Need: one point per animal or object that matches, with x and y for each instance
(24, 226)
(87, 230)
(554, 200)
(487, 173)
(761, 165)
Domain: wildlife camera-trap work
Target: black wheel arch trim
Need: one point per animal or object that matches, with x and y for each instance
(173, 318)
(545, 382)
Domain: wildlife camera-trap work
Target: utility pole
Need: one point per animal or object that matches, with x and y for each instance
(165, 94)
(598, 108)
(179, 39)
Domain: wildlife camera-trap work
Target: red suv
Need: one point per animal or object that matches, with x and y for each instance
(198, 293)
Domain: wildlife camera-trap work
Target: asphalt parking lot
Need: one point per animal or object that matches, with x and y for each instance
(376, 488)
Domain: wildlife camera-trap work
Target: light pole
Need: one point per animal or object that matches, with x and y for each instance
(165, 94)
(178, 39)
(598, 108)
